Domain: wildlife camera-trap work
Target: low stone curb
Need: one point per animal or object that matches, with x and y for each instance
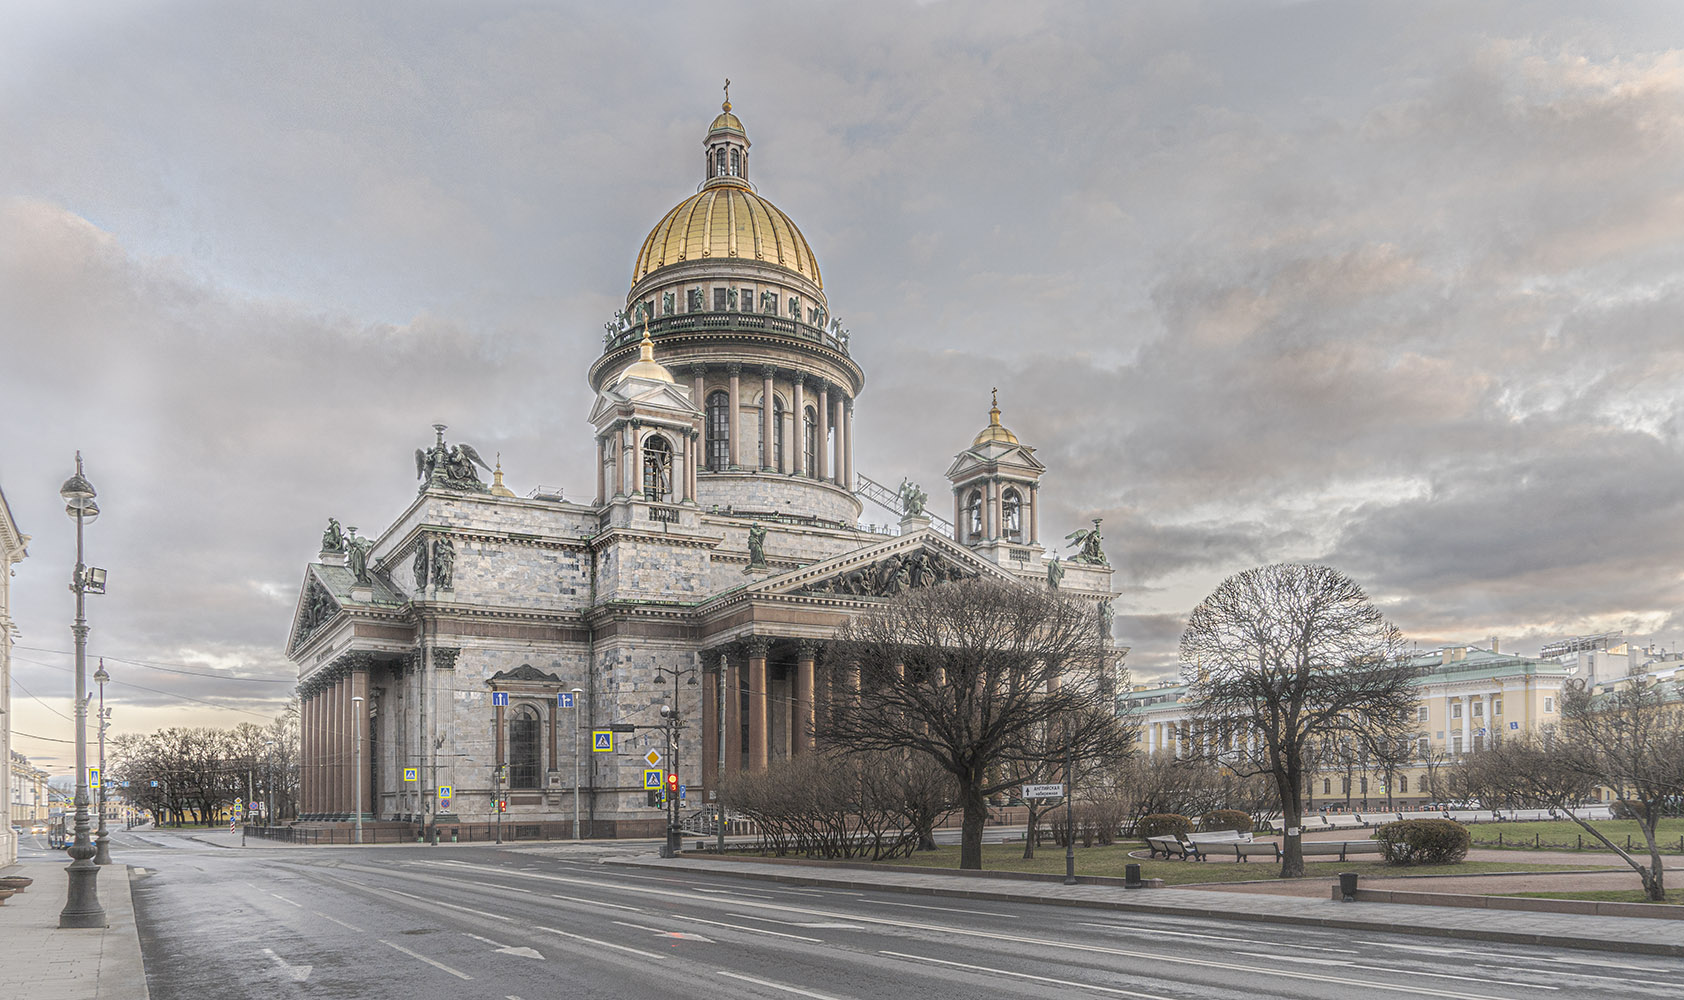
(1140, 903)
(1583, 907)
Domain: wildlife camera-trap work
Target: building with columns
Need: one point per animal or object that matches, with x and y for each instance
(477, 640)
(1466, 697)
(13, 547)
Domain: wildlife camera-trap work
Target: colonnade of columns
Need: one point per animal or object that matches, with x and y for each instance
(619, 460)
(332, 729)
(993, 512)
(757, 707)
(833, 410)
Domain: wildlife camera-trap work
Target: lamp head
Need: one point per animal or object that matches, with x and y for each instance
(77, 487)
(100, 676)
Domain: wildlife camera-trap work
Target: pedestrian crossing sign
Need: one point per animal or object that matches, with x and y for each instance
(602, 741)
(654, 779)
(412, 774)
(445, 792)
(93, 777)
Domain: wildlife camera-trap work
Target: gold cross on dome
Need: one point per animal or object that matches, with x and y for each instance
(727, 90)
(994, 396)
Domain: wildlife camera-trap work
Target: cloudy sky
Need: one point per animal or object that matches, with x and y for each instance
(1396, 287)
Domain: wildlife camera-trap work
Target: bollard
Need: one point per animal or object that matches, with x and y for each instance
(1131, 876)
(1348, 886)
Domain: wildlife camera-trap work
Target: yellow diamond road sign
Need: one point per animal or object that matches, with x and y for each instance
(653, 757)
(654, 780)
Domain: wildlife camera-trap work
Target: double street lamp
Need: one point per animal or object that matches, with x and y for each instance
(673, 724)
(81, 907)
(102, 848)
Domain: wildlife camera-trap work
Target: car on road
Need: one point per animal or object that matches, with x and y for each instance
(38, 828)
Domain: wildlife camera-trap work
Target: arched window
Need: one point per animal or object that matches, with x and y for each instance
(973, 513)
(810, 442)
(777, 433)
(1011, 512)
(736, 164)
(721, 162)
(657, 468)
(523, 748)
(1403, 784)
(719, 431)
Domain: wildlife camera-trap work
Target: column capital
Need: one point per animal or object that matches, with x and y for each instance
(698, 370)
(767, 371)
(734, 368)
(807, 649)
(799, 378)
(758, 645)
(444, 657)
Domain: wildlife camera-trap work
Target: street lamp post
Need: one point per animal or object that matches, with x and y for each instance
(102, 845)
(269, 783)
(674, 723)
(357, 763)
(576, 710)
(1069, 818)
(81, 907)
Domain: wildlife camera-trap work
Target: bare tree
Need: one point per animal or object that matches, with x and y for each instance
(1284, 656)
(1631, 739)
(980, 676)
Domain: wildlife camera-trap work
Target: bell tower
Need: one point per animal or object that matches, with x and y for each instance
(996, 486)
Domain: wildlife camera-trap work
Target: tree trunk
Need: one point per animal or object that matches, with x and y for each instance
(976, 817)
(1030, 832)
(1654, 880)
(1292, 824)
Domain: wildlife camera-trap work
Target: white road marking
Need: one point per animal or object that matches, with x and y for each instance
(286, 900)
(603, 944)
(449, 906)
(1025, 975)
(1305, 960)
(299, 973)
(777, 986)
(417, 955)
(740, 927)
(1204, 963)
(732, 892)
(641, 927)
(944, 909)
(1152, 932)
(594, 902)
(336, 920)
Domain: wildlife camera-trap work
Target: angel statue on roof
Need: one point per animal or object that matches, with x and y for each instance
(1087, 541)
(450, 466)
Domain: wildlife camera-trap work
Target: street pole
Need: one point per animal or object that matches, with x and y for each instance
(81, 908)
(269, 780)
(497, 798)
(102, 845)
(576, 693)
(357, 762)
(1069, 818)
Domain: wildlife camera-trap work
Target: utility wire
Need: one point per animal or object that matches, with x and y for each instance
(142, 687)
(19, 685)
(167, 668)
(49, 739)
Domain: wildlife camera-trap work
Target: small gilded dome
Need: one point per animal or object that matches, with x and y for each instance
(727, 222)
(727, 122)
(646, 366)
(995, 432)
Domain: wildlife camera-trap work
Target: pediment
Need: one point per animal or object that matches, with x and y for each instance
(920, 559)
(525, 672)
(643, 394)
(316, 607)
(995, 456)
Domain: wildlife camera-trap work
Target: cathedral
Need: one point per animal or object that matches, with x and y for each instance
(488, 651)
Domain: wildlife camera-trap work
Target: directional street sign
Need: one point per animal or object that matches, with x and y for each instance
(154, 784)
(1514, 725)
(653, 780)
(1043, 791)
(499, 699)
(412, 774)
(681, 792)
(564, 699)
(602, 741)
(445, 792)
(653, 758)
(93, 777)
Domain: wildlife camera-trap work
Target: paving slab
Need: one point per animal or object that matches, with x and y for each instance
(39, 959)
(1618, 934)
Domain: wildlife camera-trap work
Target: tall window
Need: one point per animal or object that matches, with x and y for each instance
(973, 513)
(657, 468)
(736, 164)
(810, 441)
(1011, 511)
(721, 162)
(777, 457)
(1403, 784)
(523, 748)
(719, 431)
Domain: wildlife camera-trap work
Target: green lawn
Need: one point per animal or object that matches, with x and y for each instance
(1567, 835)
(1599, 895)
(1109, 861)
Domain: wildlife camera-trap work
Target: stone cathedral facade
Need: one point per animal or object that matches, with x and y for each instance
(720, 553)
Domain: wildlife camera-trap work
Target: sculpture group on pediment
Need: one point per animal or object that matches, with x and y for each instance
(333, 539)
(1087, 541)
(893, 575)
(450, 466)
(912, 498)
(316, 608)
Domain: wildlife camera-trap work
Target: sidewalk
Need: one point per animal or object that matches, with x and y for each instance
(1620, 934)
(40, 960)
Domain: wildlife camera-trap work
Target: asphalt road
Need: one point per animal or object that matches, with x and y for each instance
(538, 922)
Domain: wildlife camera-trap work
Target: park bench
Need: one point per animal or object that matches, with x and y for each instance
(1191, 850)
(1219, 837)
(1341, 849)
(1257, 849)
(1163, 845)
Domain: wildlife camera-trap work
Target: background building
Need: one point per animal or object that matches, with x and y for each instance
(28, 798)
(13, 545)
(465, 645)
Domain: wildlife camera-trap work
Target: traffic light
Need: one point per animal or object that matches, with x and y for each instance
(502, 805)
(672, 785)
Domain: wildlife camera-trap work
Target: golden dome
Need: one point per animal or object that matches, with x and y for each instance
(727, 122)
(995, 432)
(727, 222)
(646, 366)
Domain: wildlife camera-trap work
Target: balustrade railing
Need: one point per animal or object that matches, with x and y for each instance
(758, 322)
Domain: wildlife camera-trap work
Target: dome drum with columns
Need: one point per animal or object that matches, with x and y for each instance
(709, 569)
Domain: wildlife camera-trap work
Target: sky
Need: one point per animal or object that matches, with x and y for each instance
(1394, 287)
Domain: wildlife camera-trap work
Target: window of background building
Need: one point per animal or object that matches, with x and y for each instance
(1479, 709)
(523, 748)
(1421, 713)
(746, 297)
(1403, 784)
(1497, 707)
(1423, 748)
(719, 300)
(1456, 710)
(1327, 786)
(1549, 704)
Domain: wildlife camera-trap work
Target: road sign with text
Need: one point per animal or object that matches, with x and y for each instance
(1043, 791)
(602, 741)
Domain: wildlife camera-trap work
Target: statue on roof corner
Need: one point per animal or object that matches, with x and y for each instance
(450, 467)
(912, 498)
(333, 539)
(756, 547)
(356, 558)
(1087, 540)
